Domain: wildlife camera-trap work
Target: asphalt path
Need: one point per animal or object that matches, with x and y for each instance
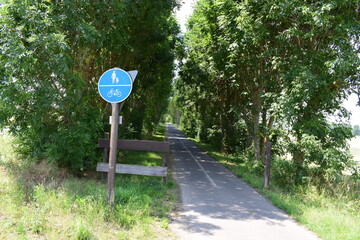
(218, 205)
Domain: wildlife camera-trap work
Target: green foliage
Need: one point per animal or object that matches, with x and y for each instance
(83, 233)
(78, 209)
(286, 174)
(52, 55)
(324, 159)
(37, 201)
(272, 71)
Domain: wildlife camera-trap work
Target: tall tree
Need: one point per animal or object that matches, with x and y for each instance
(52, 55)
(253, 66)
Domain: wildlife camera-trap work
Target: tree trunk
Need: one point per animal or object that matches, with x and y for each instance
(298, 153)
(256, 138)
(256, 108)
(263, 135)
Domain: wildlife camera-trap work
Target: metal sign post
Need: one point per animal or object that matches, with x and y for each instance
(114, 86)
(113, 153)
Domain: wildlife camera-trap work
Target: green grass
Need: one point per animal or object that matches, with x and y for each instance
(51, 207)
(330, 217)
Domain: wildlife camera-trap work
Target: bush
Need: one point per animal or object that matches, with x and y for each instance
(285, 174)
(52, 55)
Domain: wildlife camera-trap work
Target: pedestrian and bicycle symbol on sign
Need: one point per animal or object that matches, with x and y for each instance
(115, 85)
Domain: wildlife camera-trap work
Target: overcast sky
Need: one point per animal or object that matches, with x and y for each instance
(350, 104)
(186, 10)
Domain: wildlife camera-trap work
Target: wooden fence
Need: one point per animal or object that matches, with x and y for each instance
(142, 145)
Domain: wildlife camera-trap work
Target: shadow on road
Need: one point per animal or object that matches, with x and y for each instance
(216, 201)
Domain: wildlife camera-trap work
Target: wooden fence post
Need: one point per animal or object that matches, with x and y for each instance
(166, 156)
(105, 157)
(165, 163)
(267, 164)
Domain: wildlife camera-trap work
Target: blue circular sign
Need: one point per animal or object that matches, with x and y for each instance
(115, 85)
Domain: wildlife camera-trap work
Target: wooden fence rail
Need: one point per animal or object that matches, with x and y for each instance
(142, 145)
(134, 169)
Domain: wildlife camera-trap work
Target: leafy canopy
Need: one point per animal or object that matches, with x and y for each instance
(52, 54)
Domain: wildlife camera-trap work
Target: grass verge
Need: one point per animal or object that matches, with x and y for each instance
(66, 207)
(330, 217)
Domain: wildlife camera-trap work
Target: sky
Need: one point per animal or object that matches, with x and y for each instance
(350, 105)
(186, 10)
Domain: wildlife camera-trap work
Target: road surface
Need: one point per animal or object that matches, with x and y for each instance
(218, 205)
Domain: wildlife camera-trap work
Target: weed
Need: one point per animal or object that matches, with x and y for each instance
(82, 232)
(45, 204)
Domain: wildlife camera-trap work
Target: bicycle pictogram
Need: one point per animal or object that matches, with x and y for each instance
(113, 92)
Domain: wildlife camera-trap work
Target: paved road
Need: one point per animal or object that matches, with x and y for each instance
(218, 205)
